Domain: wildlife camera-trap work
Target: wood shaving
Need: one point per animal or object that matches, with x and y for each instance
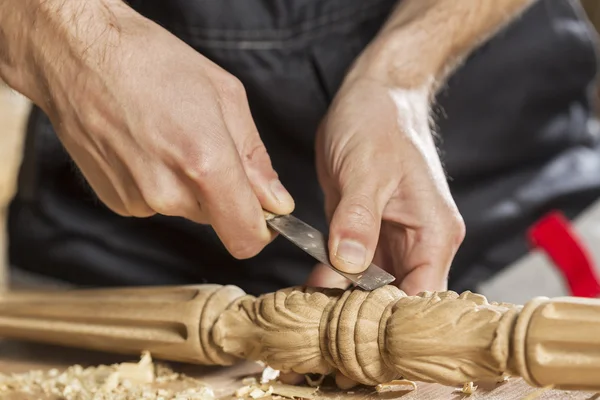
(468, 388)
(314, 382)
(294, 392)
(268, 387)
(249, 381)
(257, 393)
(269, 374)
(243, 391)
(397, 385)
(137, 373)
(280, 390)
(126, 381)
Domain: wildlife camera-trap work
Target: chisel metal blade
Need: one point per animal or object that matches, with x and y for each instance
(315, 243)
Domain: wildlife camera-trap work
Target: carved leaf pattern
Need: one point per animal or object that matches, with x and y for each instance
(446, 338)
(370, 337)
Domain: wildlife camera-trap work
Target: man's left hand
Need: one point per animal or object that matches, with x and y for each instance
(385, 189)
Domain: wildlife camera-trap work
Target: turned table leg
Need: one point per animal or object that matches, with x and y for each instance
(13, 114)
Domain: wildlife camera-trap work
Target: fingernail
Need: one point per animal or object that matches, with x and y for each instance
(280, 193)
(353, 254)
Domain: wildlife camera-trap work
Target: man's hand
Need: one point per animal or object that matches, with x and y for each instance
(385, 189)
(154, 126)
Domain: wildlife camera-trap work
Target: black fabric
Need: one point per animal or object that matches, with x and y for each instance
(517, 140)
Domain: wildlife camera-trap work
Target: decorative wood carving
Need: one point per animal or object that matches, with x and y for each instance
(370, 337)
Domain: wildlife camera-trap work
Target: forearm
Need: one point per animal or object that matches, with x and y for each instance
(14, 25)
(424, 40)
(42, 42)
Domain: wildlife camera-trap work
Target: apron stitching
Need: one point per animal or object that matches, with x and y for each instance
(299, 38)
(280, 35)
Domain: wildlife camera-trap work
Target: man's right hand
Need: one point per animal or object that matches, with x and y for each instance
(154, 126)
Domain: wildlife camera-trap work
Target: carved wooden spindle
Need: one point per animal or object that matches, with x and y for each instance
(556, 342)
(173, 323)
(369, 337)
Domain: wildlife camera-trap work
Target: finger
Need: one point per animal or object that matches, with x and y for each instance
(355, 225)
(331, 201)
(167, 193)
(323, 276)
(425, 278)
(113, 185)
(427, 262)
(227, 198)
(177, 200)
(254, 156)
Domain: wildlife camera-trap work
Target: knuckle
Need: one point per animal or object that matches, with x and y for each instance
(201, 171)
(138, 207)
(166, 204)
(357, 213)
(231, 88)
(457, 228)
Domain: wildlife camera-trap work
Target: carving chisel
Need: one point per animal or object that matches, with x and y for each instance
(315, 243)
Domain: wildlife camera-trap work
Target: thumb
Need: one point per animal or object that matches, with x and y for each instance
(354, 229)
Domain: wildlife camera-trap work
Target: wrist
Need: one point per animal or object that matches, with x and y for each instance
(423, 41)
(397, 60)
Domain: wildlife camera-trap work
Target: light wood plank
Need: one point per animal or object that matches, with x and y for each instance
(13, 112)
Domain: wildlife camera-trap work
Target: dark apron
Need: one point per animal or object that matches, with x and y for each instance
(514, 121)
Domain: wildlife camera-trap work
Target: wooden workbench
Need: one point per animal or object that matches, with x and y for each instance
(19, 357)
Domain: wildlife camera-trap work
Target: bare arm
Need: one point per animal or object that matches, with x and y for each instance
(423, 41)
(154, 126)
(45, 44)
(385, 189)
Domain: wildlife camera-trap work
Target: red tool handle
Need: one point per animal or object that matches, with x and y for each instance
(554, 235)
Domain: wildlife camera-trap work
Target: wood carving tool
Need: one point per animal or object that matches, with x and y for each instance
(314, 243)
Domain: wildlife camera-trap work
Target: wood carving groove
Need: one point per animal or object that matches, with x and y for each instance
(369, 337)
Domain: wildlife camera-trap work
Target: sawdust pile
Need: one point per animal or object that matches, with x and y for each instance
(126, 381)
